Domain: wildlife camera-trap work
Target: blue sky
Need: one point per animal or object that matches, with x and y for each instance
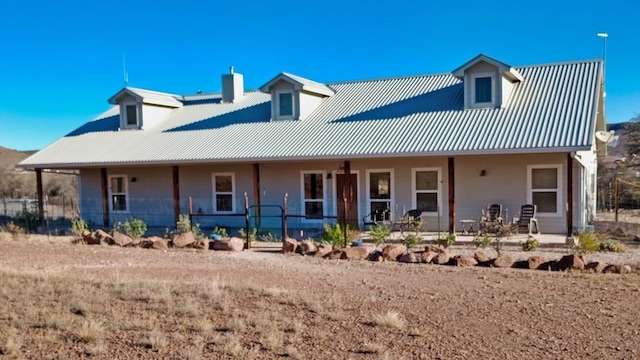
(61, 61)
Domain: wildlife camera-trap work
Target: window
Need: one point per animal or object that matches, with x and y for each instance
(132, 115)
(544, 188)
(380, 192)
(483, 90)
(426, 189)
(285, 104)
(223, 192)
(313, 194)
(118, 195)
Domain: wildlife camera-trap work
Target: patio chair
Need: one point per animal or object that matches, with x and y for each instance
(491, 217)
(526, 219)
(376, 218)
(410, 218)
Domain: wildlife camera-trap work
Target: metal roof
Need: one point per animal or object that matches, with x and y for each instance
(148, 97)
(553, 109)
(303, 83)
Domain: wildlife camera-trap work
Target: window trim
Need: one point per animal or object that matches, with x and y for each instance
(392, 190)
(559, 191)
(293, 105)
(125, 182)
(415, 191)
(123, 115)
(232, 193)
(303, 200)
(475, 76)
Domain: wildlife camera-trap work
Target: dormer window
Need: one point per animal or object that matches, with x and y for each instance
(132, 115)
(285, 105)
(143, 108)
(483, 90)
(294, 97)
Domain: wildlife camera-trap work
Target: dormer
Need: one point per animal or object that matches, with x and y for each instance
(294, 97)
(143, 108)
(487, 82)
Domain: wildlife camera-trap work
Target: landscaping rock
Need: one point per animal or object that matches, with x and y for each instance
(230, 244)
(201, 244)
(441, 259)
(182, 240)
(355, 253)
(393, 252)
(103, 237)
(409, 257)
(323, 250)
(466, 260)
(435, 248)
(289, 245)
(90, 238)
(136, 241)
(160, 244)
(334, 254)
(121, 239)
(596, 267)
(503, 261)
(481, 257)
(376, 255)
(571, 262)
(539, 263)
(427, 256)
(617, 269)
(307, 247)
(520, 264)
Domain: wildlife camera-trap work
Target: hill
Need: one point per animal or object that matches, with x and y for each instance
(9, 157)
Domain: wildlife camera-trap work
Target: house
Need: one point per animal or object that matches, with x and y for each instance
(448, 144)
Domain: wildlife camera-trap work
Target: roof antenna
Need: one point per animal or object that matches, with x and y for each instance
(125, 75)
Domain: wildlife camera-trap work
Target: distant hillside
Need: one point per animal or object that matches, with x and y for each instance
(9, 158)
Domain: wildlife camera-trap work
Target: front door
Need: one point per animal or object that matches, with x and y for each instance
(351, 195)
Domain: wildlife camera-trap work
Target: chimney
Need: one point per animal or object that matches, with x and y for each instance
(232, 87)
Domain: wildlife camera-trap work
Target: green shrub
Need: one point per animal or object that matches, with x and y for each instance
(612, 246)
(78, 225)
(252, 234)
(588, 242)
(447, 240)
(333, 235)
(530, 244)
(135, 228)
(380, 233)
(27, 219)
(482, 240)
(222, 231)
(411, 240)
(183, 224)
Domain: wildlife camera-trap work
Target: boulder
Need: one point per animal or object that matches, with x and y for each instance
(289, 245)
(183, 240)
(466, 260)
(393, 252)
(323, 250)
(90, 238)
(502, 261)
(520, 264)
(617, 269)
(441, 259)
(355, 253)
(409, 257)
(147, 243)
(571, 262)
(435, 248)
(201, 244)
(307, 247)
(596, 267)
(376, 255)
(428, 256)
(334, 254)
(121, 239)
(230, 244)
(160, 244)
(103, 237)
(481, 257)
(539, 263)
(136, 241)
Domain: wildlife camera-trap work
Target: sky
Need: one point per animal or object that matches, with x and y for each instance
(61, 60)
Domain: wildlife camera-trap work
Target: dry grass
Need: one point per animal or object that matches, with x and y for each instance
(390, 319)
(155, 340)
(89, 332)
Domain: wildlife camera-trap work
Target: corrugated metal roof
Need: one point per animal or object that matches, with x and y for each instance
(553, 109)
(149, 97)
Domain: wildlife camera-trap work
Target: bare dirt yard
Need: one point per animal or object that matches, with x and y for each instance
(64, 301)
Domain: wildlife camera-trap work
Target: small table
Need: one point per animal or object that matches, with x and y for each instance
(467, 226)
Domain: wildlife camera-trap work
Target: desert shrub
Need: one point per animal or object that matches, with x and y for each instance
(380, 234)
(612, 246)
(27, 219)
(222, 231)
(252, 234)
(482, 240)
(447, 240)
(135, 228)
(530, 244)
(269, 237)
(588, 242)
(333, 235)
(411, 240)
(183, 224)
(78, 225)
(15, 229)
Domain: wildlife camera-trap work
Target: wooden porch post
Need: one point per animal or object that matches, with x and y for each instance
(569, 195)
(40, 196)
(176, 193)
(346, 195)
(105, 197)
(256, 192)
(452, 193)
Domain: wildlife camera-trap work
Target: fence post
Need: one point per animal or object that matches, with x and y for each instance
(246, 221)
(190, 209)
(285, 225)
(616, 197)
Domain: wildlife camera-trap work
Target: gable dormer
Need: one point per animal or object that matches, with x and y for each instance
(143, 108)
(294, 97)
(487, 82)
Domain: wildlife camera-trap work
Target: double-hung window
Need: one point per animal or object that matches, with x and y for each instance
(223, 192)
(544, 188)
(313, 194)
(118, 193)
(426, 189)
(380, 193)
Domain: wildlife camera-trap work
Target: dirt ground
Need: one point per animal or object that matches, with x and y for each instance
(61, 301)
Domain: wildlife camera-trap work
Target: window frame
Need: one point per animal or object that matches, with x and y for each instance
(559, 190)
(125, 182)
(473, 90)
(391, 199)
(125, 118)
(293, 104)
(304, 200)
(215, 192)
(415, 191)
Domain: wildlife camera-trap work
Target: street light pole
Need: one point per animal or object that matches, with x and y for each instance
(604, 37)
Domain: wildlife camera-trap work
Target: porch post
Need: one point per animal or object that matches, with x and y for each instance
(105, 197)
(176, 193)
(256, 192)
(569, 194)
(40, 196)
(452, 193)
